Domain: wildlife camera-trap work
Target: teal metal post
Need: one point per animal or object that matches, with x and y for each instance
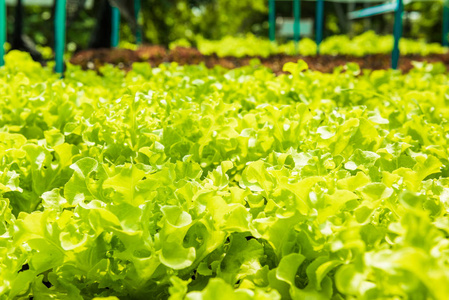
(397, 33)
(2, 31)
(296, 24)
(60, 16)
(136, 15)
(115, 28)
(272, 19)
(319, 24)
(445, 23)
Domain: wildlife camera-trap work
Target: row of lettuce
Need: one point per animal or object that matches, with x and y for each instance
(195, 183)
(368, 43)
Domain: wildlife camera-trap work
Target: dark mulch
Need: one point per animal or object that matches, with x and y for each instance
(155, 55)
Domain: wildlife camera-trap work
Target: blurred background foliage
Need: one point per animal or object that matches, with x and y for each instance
(166, 21)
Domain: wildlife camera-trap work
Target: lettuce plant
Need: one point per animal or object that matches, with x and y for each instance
(194, 183)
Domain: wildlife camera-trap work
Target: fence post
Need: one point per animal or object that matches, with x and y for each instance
(445, 23)
(397, 33)
(272, 19)
(60, 16)
(136, 15)
(297, 24)
(319, 24)
(2, 31)
(115, 27)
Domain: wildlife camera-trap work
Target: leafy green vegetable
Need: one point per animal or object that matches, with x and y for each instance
(194, 183)
(364, 44)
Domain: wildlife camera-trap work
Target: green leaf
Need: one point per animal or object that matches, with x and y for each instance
(127, 185)
(175, 256)
(77, 189)
(348, 280)
(241, 260)
(288, 266)
(427, 166)
(53, 137)
(295, 68)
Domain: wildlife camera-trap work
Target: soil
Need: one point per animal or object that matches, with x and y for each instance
(156, 55)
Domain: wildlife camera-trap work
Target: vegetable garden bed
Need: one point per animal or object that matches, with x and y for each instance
(155, 55)
(183, 182)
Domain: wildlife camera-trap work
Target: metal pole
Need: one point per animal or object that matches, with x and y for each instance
(397, 32)
(272, 19)
(445, 23)
(2, 31)
(319, 24)
(136, 15)
(60, 16)
(296, 24)
(351, 7)
(367, 21)
(115, 28)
